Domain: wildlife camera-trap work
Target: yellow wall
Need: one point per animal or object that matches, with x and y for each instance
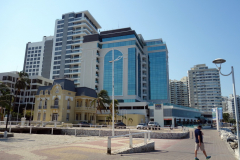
(136, 119)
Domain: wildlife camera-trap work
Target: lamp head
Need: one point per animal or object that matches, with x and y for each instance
(219, 61)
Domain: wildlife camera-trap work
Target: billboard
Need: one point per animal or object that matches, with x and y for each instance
(158, 106)
(220, 113)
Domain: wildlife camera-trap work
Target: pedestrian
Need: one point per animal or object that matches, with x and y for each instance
(199, 142)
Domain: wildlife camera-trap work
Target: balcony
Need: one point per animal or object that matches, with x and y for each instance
(98, 54)
(73, 52)
(55, 106)
(97, 61)
(79, 33)
(96, 82)
(144, 68)
(68, 107)
(71, 71)
(72, 61)
(97, 68)
(76, 81)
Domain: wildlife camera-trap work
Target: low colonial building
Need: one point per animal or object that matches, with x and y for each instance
(64, 102)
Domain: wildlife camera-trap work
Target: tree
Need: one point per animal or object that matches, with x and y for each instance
(130, 120)
(28, 114)
(21, 83)
(109, 117)
(102, 100)
(233, 121)
(4, 97)
(226, 117)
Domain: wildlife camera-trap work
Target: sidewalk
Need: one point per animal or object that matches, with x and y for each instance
(50, 147)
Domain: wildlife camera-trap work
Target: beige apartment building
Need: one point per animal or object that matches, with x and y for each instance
(179, 92)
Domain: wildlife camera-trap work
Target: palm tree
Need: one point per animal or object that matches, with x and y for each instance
(115, 108)
(4, 97)
(109, 117)
(102, 100)
(21, 83)
(130, 120)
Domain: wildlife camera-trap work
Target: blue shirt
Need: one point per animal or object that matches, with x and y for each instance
(198, 133)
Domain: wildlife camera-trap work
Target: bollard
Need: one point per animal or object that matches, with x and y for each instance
(109, 146)
(52, 130)
(30, 129)
(145, 138)
(130, 141)
(10, 128)
(75, 132)
(149, 138)
(100, 131)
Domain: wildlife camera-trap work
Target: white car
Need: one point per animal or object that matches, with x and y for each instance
(141, 126)
(152, 124)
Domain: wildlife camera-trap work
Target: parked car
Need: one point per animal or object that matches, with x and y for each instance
(153, 125)
(120, 125)
(142, 126)
(84, 124)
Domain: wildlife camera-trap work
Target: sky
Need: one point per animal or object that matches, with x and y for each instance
(196, 32)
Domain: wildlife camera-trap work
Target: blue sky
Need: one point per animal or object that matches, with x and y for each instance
(196, 32)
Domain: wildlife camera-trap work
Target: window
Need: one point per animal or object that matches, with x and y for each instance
(56, 102)
(35, 51)
(32, 48)
(68, 103)
(33, 74)
(156, 48)
(45, 105)
(118, 44)
(118, 38)
(39, 51)
(158, 75)
(153, 43)
(67, 118)
(58, 48)
(76, 117)
(56, 67)
(29, 51)
(32, 51)
(118, 73)
(29, 48)
(77, 104)
(58, 53)
(44, 116)
(131, 71)
(39, 116)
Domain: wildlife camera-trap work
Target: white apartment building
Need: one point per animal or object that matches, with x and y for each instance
(27, 96)
(225, 104)
(204, 88)
(38, 57)
(179, 92)
(231, 108)
(67, 44)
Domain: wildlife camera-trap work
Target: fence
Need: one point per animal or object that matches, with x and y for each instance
(130, 139)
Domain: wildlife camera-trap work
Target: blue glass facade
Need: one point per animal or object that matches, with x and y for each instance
(131, 71)
(139, 75)
(118, 73)
(156, 48)
(118, 38)
(153, 43)
(118, 44)
(158, 76)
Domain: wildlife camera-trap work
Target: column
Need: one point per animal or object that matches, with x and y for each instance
(82, 116)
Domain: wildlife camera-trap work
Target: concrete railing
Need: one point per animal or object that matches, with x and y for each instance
(130, 139)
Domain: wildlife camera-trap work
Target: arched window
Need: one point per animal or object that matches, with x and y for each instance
(40, 103)
(118, 73)
(45, 103)
(56, 102)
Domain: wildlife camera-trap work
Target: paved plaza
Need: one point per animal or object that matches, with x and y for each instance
(49, 147)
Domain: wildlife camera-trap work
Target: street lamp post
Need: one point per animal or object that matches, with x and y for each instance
(220, 61)
(113, 60)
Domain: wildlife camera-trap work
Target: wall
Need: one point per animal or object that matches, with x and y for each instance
(154, 135)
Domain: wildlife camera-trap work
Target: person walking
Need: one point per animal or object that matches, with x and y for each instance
(199, 142)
